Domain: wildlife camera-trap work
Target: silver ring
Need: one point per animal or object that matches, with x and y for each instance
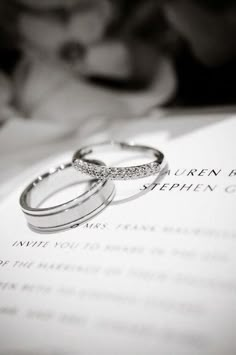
(117, 173)
(69, 214)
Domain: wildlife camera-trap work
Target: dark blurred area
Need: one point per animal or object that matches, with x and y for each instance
(118, 43)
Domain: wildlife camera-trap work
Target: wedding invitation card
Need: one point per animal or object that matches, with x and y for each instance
(154, 273)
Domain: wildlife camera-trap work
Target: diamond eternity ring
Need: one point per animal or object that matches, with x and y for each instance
(85, 166)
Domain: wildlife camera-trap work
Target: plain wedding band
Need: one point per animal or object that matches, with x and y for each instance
(83, 165)
(69, 214)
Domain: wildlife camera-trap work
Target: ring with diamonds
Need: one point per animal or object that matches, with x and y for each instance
(82, 164)
(68, 214)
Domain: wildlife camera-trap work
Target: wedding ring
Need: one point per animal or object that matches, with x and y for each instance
(117, 173)
(69, 214)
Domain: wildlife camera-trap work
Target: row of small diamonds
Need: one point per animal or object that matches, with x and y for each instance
(126, 173)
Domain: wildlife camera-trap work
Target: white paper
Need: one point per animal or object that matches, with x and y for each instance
(154, 275)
